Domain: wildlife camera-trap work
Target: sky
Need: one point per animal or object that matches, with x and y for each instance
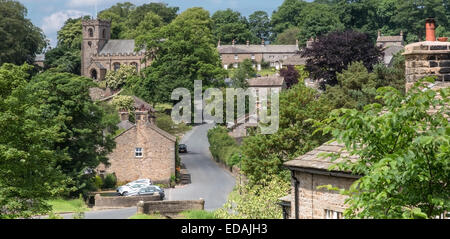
(50, 15)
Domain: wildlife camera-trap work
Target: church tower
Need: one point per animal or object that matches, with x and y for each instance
(96, 33)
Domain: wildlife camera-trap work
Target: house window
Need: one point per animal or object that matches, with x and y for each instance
(235, 65)
(236, 57)
(253, 56)
(138, 153)
(330, 214)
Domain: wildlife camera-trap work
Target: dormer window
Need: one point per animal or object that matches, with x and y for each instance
(138, 153)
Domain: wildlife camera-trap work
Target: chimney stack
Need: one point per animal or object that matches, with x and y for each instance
(248, 43)
(141, 116)
(124, 115)
(379, 33)
(296, 42)
(218, 44)
(233, 42)
(263, 42)
(430, 25)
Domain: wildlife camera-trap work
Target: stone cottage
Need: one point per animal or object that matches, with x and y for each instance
(311, 170)
(100, 53)
(390, 45)
(142, 151)
(232, 55)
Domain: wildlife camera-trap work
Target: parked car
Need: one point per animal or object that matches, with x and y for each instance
(133, 186)
(182, 148)
(151, 190)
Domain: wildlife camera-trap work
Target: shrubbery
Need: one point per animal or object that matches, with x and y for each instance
(110, 181)
(223, 147)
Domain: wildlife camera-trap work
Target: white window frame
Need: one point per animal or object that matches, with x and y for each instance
(236, 57)
(138, 152)
(253, 56)
(331, 214)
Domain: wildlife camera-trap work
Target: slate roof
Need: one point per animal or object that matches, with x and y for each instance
(118, 46)
(295, 60)
(314, 160)
(268, 81)
(138, 103)
(390, 39)
(230, 49)
(125, 125)
(389, 53)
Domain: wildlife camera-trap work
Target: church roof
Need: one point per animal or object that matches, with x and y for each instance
(119, 46)
(236, 49)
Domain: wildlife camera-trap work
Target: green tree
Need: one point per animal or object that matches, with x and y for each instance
(188, 53)
(244, 72)
(29, 165)
(116, 79)
(82, 123)
(288, 36)
(256, 202)
(259, 23)
(264, 155)
(229, 25)
(20, 40)
(403, 154)
(289, 14)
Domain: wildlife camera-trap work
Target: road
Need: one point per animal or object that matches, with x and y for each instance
(209, 181)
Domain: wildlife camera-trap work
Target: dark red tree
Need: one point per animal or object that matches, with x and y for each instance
(290, 75)
(332, 53)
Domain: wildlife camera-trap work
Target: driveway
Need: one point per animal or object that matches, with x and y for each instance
(209, 181)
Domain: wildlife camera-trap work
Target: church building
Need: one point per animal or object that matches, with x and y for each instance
(100, 54)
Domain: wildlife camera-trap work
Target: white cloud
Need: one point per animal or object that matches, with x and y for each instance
(54, 22)
(84, 3)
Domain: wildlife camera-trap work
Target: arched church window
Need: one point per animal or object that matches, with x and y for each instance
(91, 32)
(94, 74)
(116, 66)
(104, 33)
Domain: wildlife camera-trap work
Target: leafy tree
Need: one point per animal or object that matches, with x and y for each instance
(259, 23)
(291, 76)
(117, 14)
(229, 25)
(29, 172)
(166, 13)
(150, 22)
(222, 146)
(403, 150)
(288, 36)
(256, 202)
(188, 53)
(264, 155)
(116, 79)
(288, 15)
(20, 40)
(332, 53)
(244, 72)
(319, 19)
(81, 122)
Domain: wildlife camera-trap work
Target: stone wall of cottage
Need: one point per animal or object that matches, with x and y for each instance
(157, 163)
(228, 59)
(312, 202)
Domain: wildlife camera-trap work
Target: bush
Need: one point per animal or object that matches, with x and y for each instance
(110, 181)
(199, 214)
(223, 147)
(98, 182)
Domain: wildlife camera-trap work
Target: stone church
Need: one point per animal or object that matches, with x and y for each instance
(100, 53)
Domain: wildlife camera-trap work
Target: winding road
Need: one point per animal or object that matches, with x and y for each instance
(209, 181)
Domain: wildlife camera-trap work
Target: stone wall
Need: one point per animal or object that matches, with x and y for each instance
(427, 59)
(228, 59)
(312, 202)
(169, 207)
(121, 202)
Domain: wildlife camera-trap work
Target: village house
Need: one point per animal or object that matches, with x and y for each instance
(142, 150)
(311, 170)
(390, 45)
(241, 126)
(100, 53)
(232, 55)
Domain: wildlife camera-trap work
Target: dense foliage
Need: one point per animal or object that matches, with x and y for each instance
(332, 53)
(403, 154)
(223, 147)
(20, 40)
(291, 76)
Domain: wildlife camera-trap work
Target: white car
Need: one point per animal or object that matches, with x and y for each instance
(133, 187)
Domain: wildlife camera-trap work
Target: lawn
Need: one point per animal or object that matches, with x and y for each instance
(68, 205)
(145, 216)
